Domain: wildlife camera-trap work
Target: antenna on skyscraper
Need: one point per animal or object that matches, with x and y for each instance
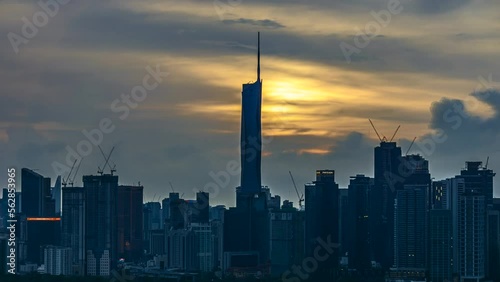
(258, 56)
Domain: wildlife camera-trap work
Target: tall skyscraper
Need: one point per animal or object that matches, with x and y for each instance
(130, 225)
(247, 227)
(474, 200)
(358, 241)
(251, 138)
(151, 221)
(410, 214)
(73, 226)
(322, 221)
(36, 197)
(387, 182)
(101, 223)
(494, 241)
(287, 238)
(472, 236)
(56, 195)
(441, 245)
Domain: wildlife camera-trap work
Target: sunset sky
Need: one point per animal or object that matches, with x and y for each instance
(415, 71)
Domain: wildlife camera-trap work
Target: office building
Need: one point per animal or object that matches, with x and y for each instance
(57, 260)
(358, 240)
(73, 226)
(130, 222)
(101, 223)
(247, 226)
(387, 181)
(322, 221)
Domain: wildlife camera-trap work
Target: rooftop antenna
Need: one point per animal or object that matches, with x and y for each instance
(258, 56)
(487, 161)
(394, 135)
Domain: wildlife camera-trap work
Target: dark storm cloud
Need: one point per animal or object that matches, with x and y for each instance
(462, 136)
(58, 80)
(263, 23)
(432, 6)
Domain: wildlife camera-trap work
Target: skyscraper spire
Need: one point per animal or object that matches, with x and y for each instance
(258, 56)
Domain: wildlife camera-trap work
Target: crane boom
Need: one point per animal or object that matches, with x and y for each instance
(301, 199)
(407, 151)
(76, 172)
(65, 181)
(376, 132)
(394, 135)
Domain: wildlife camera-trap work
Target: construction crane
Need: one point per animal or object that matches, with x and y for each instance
(407, 151)
(65, 181)
(376, 132)
(76, 172)
(394, 135)
(173, 191)
(487, 161)
(106, 163)
(301, 198)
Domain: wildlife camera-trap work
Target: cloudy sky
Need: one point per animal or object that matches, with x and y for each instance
(430, 66)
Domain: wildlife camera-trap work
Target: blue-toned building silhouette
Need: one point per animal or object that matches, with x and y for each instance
(247, 226)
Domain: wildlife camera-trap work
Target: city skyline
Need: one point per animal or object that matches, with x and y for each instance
(315, 103)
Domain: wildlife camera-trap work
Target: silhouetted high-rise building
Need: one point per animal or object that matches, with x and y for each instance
(201, 210)
(247, 227)
(176, 207)
(441, 245)
(494, 241)
(478, 178)
(287, 238)
(344, 223)
(130, 225)
(100, 223)
(151, 221)
(57, 260)
(36, 239)
(410, 214)
(358, 241)
(36, 196)
(73, 226)
(322, 221)
(387, 182)
(251, 138)
(56, 195)
(472, 236)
